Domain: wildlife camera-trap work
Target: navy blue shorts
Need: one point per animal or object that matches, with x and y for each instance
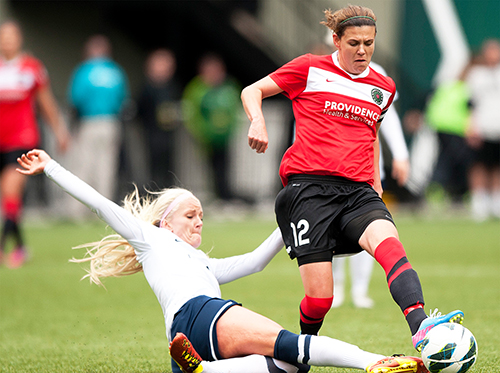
(323, 216)
(197, 319)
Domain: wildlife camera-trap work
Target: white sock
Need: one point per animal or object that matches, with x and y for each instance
(248, 364)
(480, 205)
(326, 351)
(338, 281)
(361, 272)
(495, 203)
(339, 269)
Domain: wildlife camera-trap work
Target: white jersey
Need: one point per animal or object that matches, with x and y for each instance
(175, 270)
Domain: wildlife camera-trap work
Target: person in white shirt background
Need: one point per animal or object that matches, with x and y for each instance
(483, 135)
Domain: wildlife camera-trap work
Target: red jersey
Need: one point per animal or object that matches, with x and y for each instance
(19, 81)
(336, 115)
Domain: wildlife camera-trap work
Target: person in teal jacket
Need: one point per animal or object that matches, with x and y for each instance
(99, 85)
(97, 92)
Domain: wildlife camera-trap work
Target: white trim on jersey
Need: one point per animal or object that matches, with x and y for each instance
(212, 325)
(319, 80)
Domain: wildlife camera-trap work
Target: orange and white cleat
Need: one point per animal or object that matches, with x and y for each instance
(398, 364)
(185, 355)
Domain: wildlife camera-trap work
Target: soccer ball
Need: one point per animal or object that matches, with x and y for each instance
(449, 348)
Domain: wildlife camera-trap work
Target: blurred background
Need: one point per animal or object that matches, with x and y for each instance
(420, 43)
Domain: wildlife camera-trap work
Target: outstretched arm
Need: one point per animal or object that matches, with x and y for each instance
(37, 161)
(234, 267)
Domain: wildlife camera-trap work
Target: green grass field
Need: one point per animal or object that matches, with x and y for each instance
(50, 321)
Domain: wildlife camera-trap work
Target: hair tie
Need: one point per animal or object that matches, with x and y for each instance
(175, 202)
(355, 17)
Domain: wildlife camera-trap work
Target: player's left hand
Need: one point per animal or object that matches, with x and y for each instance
(378, 188)
(33, 162)
(401, 171)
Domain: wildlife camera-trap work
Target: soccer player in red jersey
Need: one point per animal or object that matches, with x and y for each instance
(331, 202)
(23, 84)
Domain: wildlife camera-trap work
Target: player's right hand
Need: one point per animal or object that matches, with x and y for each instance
(257, 136)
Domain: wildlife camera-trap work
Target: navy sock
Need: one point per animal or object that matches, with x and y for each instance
(286, 348)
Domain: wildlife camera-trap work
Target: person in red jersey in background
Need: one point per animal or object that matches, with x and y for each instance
(331, 202)
(24, 86)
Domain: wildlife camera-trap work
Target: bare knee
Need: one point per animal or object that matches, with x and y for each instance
(376, 232)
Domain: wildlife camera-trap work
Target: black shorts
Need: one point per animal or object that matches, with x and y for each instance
(9, 158)
(488, 154)
(323, 216)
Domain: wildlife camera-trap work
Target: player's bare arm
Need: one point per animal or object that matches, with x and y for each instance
(251, 98)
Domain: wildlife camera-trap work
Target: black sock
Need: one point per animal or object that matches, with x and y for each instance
(11, 228)
(415, 318)
(312, 329)
(406, 292)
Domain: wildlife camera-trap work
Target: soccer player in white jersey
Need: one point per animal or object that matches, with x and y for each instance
(159, 235)
(331, 201)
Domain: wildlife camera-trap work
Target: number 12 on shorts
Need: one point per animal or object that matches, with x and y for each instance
(299, 231)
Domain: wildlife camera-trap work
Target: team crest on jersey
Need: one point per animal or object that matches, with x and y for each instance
(377, 96)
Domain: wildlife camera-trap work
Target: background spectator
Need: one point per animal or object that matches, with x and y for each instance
(211, 107)
(159, 111)
(448, 113)
(97, 91)
(484, 133)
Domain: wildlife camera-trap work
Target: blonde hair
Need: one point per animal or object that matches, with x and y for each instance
(351, 15)
(113, 256)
